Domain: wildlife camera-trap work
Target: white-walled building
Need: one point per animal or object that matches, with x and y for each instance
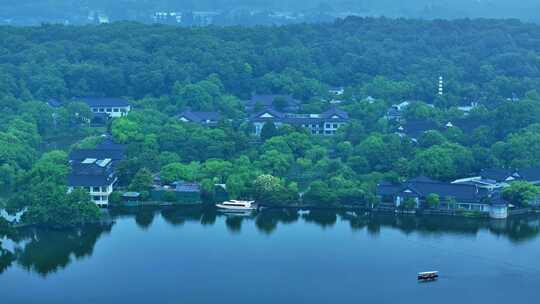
(95, 176)
(94, 170)
(326, 123)
(113, 107)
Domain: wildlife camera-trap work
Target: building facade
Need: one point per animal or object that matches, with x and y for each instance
(95, 170)
(326, 123)
(95, 176)
(464, 197)
(112, 107)
(202, 118)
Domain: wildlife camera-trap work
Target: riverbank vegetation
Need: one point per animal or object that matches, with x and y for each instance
(164, 70)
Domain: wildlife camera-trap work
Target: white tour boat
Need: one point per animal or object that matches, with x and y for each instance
(234, 205)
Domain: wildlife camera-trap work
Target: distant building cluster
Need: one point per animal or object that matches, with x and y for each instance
(279, 110)
(481, 193)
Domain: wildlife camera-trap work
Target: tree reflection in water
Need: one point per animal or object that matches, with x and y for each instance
(323, 218)
(176, 216)
(234, 223)
(47, 251)
(516, 229)
(6, 257)
(268, 220)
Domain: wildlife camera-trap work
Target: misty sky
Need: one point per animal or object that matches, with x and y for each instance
(524, 9)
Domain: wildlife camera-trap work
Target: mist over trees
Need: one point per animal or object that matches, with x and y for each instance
(47, 10)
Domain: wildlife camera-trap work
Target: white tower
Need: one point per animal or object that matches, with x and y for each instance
(441, 86)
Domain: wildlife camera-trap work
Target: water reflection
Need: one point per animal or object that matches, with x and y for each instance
(322, 218)
(6, 259)
(268, 220)
(46, 251)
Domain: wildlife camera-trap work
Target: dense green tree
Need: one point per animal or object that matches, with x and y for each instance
(521, 193)
(268, 131)
(216, 169)
(142, 181)
(271, 190)
(275, 163)
(431, 138)
(320, 194)
(443, 162)
(179, 171)
(519, 149)
(433, 200)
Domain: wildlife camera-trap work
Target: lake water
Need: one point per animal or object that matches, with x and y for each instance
(185, 255)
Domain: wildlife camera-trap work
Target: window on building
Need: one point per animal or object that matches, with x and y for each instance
(327, 126)
(94, 110)
(116, 110)
(108, 110)
(96, 198)
(101, 110)
(96, 189)
(335, 126)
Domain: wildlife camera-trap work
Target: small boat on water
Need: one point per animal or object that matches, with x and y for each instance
(234, 205)
(428, 276)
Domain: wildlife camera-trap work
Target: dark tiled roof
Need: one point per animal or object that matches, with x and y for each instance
(415, 128)
(462, 193)
(267, 101)
(82, 154)
(200, 117)
(386, 188)
(335, 112)
(103, 101)
(530, 174)
(467, 124)
(497, 174)
(91, 174)
(422, 179)
(109, 144)
(422, 187)
(274, 113)
(98, 172)
(107, 149)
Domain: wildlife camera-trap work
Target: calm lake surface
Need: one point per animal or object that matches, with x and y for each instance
(186, 255)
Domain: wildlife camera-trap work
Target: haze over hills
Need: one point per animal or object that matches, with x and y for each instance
(24, 12)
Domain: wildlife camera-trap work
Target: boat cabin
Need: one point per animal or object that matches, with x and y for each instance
(428, 276)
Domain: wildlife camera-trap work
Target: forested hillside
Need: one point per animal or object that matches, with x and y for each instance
(488, 59)
(164, 70)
